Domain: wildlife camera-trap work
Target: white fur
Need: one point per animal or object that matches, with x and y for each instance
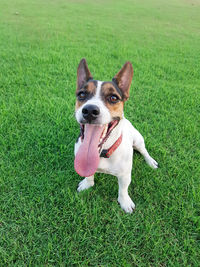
(120, 162)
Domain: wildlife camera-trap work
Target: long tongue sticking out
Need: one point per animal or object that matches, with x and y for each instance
(87, 158)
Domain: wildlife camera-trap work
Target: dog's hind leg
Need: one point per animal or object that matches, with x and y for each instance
(139, 145)
(86, 183)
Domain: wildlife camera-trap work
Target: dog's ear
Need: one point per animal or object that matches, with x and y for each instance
(83, 73)
(123, 79)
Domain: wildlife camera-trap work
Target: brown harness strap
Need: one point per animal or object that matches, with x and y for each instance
(106, 153)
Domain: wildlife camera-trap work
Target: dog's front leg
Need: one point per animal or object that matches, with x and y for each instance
(123, 197)
(86, 183)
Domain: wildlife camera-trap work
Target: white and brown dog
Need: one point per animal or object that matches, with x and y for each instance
(107, 139)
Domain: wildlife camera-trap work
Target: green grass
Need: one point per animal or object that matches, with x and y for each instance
(43, 220)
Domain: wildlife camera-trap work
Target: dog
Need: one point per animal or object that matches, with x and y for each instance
(107, 138)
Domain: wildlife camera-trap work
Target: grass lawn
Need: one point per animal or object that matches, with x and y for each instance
(43, 220)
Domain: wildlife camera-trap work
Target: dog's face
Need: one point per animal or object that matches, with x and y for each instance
(101, 102)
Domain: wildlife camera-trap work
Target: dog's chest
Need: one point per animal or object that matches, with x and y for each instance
(119, 162)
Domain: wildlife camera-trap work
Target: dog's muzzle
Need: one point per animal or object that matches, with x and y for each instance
(90, 113)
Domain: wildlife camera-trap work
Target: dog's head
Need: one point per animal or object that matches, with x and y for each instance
(101, 102)
(99, 108)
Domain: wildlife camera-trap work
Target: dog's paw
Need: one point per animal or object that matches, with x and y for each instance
(126, 204)
(84, 184)
(152, 163)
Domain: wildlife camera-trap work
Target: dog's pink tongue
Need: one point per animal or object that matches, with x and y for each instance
(87, 158)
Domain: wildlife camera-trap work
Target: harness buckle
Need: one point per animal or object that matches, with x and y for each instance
(104, 153)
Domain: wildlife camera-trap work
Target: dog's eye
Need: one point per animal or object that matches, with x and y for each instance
(81, 95)
(113, 99)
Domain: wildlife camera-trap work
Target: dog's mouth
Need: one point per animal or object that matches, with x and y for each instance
(93, 137)
(107, 129)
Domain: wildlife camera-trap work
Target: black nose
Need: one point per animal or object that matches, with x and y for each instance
(90, 112)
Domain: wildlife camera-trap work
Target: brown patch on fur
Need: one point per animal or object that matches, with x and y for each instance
(78, 104)
(89, 88)
(116, 109)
